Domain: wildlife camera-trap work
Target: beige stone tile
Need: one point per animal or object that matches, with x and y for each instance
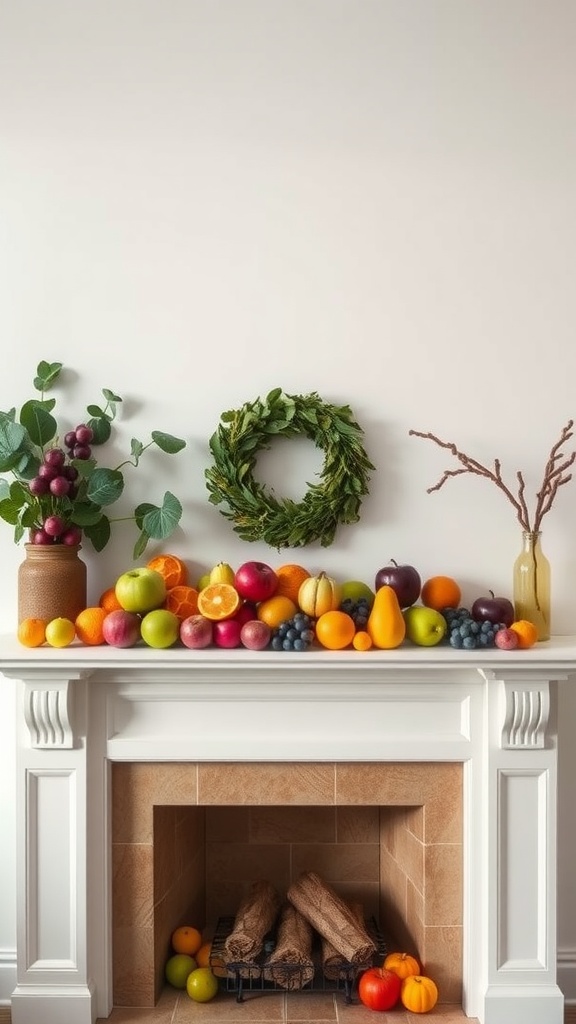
(355, 1013)
(415, 822)
(292, 824)
(358, 862)
(443, 816)
(228, 824)
(133, 966)
(256, 1008)
(310, 1006)
(269, 783)
(443, 1014)
(247, 862)
(137, 787)
(357, 824)
(132, 884)
(164, 850)
(411, 856)
(442, 961)
(365, 893)
(393, 784)
(443, 887)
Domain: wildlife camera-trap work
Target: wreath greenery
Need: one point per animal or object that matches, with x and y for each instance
(281, 522)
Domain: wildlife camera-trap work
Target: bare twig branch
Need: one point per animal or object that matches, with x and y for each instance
(555, 475)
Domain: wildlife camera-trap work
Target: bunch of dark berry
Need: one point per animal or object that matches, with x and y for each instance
(57, 478)
(295, 634)
(358, 610)
(466, 633)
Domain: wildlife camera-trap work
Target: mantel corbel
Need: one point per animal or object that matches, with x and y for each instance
(524, 706)
(48, 706)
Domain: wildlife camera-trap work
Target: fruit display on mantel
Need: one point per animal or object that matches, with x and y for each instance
(290, 609)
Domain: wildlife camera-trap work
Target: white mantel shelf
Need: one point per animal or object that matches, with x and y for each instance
(81, 708)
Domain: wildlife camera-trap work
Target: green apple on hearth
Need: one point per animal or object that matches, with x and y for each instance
(424, 626)
(140, 590)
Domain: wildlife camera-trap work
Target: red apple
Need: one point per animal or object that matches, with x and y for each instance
(404, 579)
(121, 628)
(196, 632)
(246, 612)
(255, 635)
(255, 581)
(493, 609)
(506, 639)
(226, 633)
(379, 988)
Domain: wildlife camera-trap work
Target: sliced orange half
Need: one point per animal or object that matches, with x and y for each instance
(218, 601)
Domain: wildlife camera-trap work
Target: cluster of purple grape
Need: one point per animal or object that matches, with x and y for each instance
(55, 484)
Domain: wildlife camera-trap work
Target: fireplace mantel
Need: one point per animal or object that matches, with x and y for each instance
(81, 708)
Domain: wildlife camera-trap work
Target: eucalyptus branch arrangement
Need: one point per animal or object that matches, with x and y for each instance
(555, 475)
(58, 493)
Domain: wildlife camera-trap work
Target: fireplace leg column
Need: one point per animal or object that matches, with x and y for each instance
(53, 983)
(521, 837)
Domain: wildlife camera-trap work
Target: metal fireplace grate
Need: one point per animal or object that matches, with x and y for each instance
(250, 976)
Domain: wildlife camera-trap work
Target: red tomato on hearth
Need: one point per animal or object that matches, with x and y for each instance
(379, 989)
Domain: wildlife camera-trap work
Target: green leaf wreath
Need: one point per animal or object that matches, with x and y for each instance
(256, 513)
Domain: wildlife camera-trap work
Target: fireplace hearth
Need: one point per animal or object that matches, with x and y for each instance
(332, 719)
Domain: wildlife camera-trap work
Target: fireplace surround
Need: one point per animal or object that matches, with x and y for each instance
(82, 711)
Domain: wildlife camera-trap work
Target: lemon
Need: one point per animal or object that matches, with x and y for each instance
(60, 632)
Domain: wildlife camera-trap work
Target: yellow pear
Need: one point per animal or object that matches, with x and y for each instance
(222, 573)
(386, 626)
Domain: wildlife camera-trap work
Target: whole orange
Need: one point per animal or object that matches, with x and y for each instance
(89, 626)
(440, 592)
(186, 939)
(32, 632)
(109, 602)
(526, 632)
(275, 610)
(202, 957)
(335, 630)
(290, 578)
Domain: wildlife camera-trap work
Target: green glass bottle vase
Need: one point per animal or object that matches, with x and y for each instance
(532, 584)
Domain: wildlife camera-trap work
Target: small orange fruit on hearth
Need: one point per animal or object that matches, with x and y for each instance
(526, 632)
(186, 939)
(403, 964)
(172, 568)
(335, 630)
(32, 632)
(182, 600)
(89, 626)
(109, 602)
(290, 578)
(218, 601)
(275, 610)
(440, 592)
(202, 957)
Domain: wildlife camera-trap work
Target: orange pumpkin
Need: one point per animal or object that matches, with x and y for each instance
(402, 964)
(418, 993)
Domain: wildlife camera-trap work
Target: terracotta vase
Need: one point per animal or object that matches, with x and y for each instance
(51, 582)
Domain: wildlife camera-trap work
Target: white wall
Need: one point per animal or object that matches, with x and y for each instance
(372, 199)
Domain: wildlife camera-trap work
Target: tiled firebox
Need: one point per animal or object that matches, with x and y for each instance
(188, 838)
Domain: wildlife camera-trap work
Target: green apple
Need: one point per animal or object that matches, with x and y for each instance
(160, 628)
(424, 626)
(353, 590)
(140, 590)
(178, 968)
